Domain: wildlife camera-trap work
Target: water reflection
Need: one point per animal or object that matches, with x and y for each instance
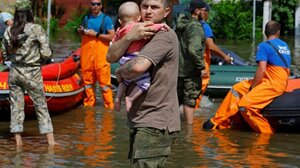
(96, 136)
(229, 148)
(42, 157)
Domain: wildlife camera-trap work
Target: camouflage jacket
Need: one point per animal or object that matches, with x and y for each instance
(33, 49)
(191, 46)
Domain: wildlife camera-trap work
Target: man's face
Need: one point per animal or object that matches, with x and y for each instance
(153, 10)
(95, 6)
(203, 14)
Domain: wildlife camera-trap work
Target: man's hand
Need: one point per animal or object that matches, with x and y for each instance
(140, 31)
(204, 73)
(90, 32)
(228, 59)
(165, 27)
(80, 30)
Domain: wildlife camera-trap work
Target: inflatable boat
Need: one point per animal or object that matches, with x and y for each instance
(283, 113)
(63, 86)
(223, 77)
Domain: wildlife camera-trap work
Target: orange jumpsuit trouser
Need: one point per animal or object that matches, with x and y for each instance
(249, 104)
(94, 67)
(205, 78)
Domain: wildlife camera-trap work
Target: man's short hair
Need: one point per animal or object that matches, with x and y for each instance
(166, 3)
(272, 27)
(194, 4)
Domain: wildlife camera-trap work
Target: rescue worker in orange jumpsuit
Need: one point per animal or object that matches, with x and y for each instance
(270, 81)
(210, 47)
(97, 31)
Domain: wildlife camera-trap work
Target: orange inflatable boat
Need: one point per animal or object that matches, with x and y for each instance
(63, 86)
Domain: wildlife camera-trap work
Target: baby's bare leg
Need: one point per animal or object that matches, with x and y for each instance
(136, 92)
(121, 90)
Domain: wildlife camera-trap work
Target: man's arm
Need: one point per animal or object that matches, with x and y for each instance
(216, 50)
(133, 68)
(1, 57)
(196, 46)
(139, 31)
(260, 72)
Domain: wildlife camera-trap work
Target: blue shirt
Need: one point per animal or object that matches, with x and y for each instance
(207, 29)
(265, 52)
(92, 22)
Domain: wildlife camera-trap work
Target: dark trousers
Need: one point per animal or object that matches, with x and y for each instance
(150, 147)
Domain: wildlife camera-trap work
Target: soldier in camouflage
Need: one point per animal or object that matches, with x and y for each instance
(25, 45)
(191, 58)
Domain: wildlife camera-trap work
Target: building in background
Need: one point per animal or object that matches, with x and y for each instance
(69, 7)
(7, 6)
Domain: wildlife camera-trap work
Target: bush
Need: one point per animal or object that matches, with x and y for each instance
(284, 12)
(76, 21)
(54, 28)
(232, 19)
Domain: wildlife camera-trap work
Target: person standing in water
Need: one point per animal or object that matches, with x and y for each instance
(129, 15)
(97, 31)
(154, 117)
(25, 45)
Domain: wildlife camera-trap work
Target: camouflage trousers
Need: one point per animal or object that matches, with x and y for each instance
(150, 147)
(27, 79)
(189, 90)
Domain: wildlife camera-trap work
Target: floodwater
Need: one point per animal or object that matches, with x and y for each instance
(93, 137)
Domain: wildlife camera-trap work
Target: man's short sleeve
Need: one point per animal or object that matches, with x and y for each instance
(108, 23)
(261, 53)
(158, 48)
(207, 30)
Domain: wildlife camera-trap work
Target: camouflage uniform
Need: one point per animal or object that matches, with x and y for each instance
(25, 75)
(191, 59)
(150, 147)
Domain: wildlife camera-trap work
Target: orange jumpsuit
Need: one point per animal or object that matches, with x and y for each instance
(206, 78)
(94, 67)
(249, 103)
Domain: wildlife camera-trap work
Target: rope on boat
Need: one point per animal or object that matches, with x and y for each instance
(57, 79)
(59, 72)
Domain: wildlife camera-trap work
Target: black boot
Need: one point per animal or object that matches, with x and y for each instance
(208, 125)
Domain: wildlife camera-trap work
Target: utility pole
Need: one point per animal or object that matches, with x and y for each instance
(253, 28)
(254, 20)
(48, 20)
(267, 15)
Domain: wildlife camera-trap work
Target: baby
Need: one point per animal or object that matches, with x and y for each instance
(129, 15)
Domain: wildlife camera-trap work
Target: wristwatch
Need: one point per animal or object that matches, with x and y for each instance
(97, 35)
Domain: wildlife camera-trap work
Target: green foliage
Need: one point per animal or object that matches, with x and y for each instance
(54, 28)
(232, 19)
(76, 21)
(284, 12)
